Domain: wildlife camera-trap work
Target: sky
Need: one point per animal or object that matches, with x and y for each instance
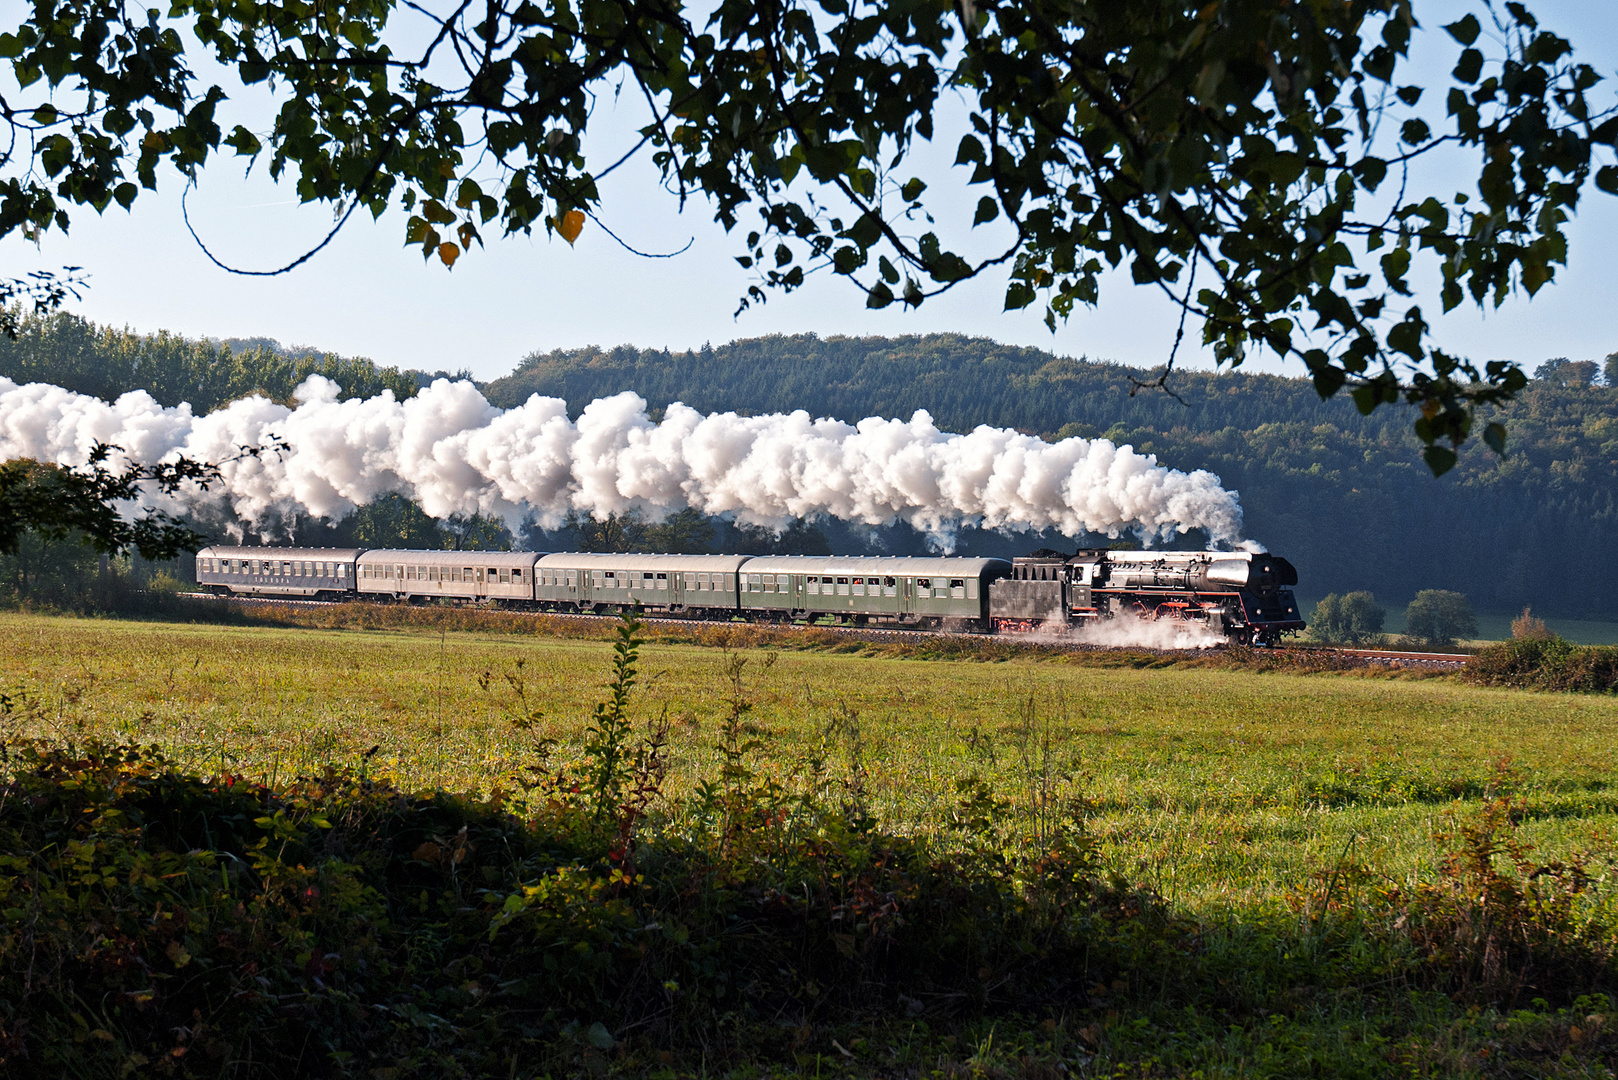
(367, 295)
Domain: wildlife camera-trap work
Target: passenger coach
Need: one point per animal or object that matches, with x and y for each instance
(420, 576)
(312, 573)
(701, 584)
(950, 592)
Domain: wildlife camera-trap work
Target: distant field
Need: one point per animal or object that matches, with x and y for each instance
(1218, 787)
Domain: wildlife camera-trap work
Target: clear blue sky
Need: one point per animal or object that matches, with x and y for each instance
(367, 295)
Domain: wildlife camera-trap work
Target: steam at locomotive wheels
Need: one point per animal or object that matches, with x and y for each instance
(1243, 596)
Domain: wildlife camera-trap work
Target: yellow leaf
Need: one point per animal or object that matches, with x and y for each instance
(178, 954)
(571, 225)
(449, 253)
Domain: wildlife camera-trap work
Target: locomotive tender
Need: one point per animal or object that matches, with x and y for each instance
(1240, 595)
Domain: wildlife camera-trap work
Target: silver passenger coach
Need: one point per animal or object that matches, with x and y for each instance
(462, 575)
(302, 572)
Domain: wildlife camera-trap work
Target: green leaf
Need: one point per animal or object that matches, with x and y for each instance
(988, 210)
(880, 296)
(1440, 459)
(1494, 436)
(1465, 30)
(912, 190)
(1405, 337)
(969, 151)
(1469, 67)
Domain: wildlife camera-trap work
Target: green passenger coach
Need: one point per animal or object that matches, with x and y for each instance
(950, 592)
(699, 584)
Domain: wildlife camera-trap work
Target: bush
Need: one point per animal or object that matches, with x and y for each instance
(1348, 619)
(1528, 626)
(1439, 617)
(1545, 664)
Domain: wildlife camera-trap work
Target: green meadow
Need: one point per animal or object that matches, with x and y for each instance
(1217, 788)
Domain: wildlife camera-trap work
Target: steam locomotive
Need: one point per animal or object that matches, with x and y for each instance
(1244, 596)
(1240, 595)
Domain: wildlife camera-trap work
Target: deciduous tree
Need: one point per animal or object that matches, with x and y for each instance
(1253, 159)
(1440, 617)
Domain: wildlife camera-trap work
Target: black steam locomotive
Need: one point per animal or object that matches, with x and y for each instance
(1241, 595)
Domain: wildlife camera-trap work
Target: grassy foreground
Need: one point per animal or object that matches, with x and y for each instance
(1161, 871)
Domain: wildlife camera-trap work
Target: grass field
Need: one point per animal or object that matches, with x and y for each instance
(1219, 788)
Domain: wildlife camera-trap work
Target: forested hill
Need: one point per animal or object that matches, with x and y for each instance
(1344, 496)
(71, 352)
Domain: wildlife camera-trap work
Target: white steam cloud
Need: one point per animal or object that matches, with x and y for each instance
(455, 453)
(1129, 632)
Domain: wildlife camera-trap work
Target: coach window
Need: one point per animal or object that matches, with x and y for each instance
(662, 581)
(957, 588)
(889, 587)
(505, 577)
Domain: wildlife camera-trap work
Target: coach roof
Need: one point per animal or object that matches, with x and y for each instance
(886, 565)
(393, 556)
(631, 561)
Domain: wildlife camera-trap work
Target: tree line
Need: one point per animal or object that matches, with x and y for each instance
(103, 361)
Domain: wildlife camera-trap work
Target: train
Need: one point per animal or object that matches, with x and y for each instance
(1245, 597)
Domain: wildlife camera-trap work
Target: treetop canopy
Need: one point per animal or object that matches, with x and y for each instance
(1254, 159)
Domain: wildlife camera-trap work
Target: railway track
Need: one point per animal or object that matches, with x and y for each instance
(1419, 658)
(891, 634)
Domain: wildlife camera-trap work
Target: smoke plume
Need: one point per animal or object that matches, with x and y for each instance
(453, 452)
